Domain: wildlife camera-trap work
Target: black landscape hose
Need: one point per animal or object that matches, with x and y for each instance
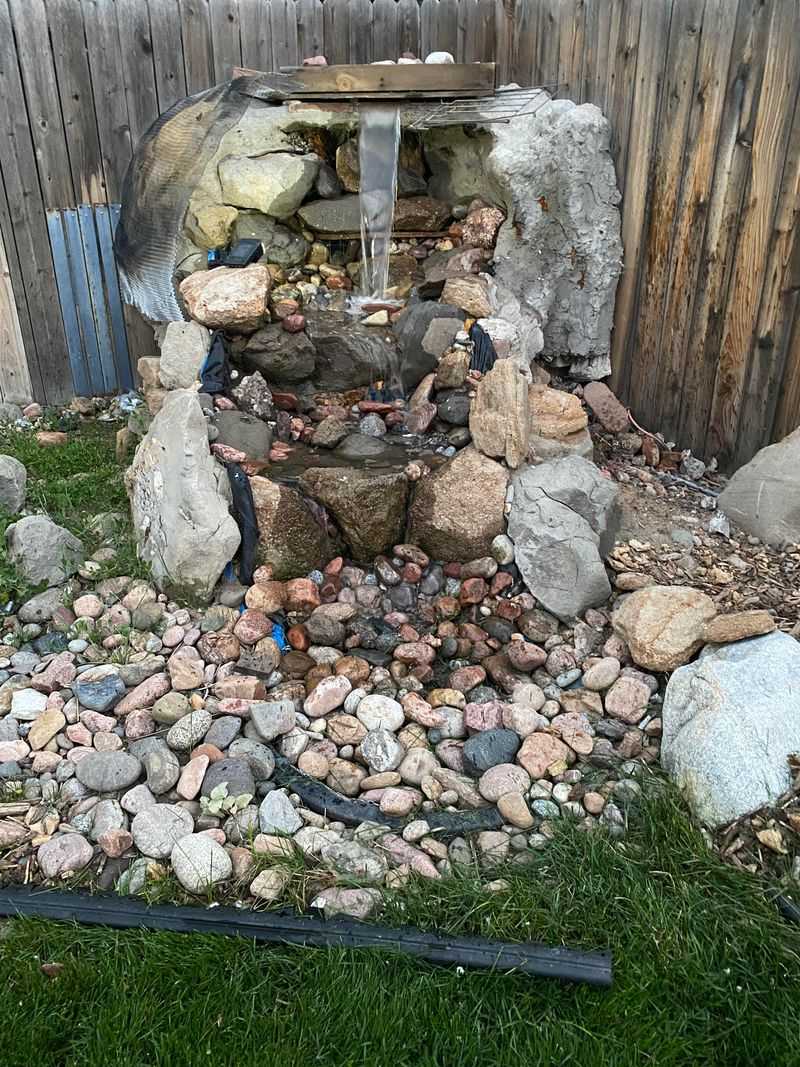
(288, 928)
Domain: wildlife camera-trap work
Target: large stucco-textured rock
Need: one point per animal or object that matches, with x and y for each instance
(228, 298)
(458, 510)
(559, 251)
(368, 506)
(179, 501)
(184, 347)
(763, 497)
(563, 519)
(498, 418)
(291, 538)
(42, 551)
(731, 720)
(274, 184)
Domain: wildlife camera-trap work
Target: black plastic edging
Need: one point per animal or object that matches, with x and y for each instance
(288, 928)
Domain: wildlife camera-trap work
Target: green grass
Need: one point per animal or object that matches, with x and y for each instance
(706, 973)
(72, 483)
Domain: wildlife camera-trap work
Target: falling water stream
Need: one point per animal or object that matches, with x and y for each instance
(378, 147)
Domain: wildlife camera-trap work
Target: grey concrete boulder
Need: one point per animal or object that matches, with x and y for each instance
(564, 516)
(763, 497)
(42, 551)
(731, 719)
(179, 501)
(13, 480)
(559, 251)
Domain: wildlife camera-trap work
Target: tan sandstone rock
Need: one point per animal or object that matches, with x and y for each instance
(664, 625)
(498, 418)
(230, 298)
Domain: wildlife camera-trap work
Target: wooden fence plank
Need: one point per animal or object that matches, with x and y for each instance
(23, 315)
(77, 102)
(309, 28)
(708, 97)
(766, 354)
(41, 96)
(15, 380)
(168, 59)
(572, 35)
(24, 222)
(384, 29)
(548, 46)
(198, 52)
(360, 31)
(650, 373)
(108, 86)
(731, 168)
(787, 414)
(776, 100)
(408, 27)
(69, 305)
(139, 76)
(225, 38)
(255, 34)
(651, 54)
(336, 30)
(504, 37)
(446, 27)
(283, 22)
(621, 87)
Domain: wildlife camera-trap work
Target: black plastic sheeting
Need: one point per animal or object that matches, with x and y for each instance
(244, 511)
(288, 928)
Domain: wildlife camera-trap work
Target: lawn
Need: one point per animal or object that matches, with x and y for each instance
(706, 972)
(72, 483)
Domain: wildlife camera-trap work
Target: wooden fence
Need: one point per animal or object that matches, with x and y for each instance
(703, 100)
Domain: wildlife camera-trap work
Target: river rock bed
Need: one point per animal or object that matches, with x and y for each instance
(419, 687)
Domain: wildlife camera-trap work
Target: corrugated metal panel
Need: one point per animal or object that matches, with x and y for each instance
(88, 290)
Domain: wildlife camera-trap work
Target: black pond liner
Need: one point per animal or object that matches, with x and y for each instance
(287, 928)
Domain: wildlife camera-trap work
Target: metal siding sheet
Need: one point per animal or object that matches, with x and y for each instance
(80, 289)
(105, 227)
(98, 297)
(66, 296)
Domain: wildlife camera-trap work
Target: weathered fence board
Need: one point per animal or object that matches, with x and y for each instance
(702, 97)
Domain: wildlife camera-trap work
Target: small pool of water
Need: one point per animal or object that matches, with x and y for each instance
(381, 454)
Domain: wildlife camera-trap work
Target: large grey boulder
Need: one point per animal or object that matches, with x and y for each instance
(274, 184)
(283, 358)
(42, 551)
(347, 353)
(179, 501)
(350, 495)
(559, 252)
(731, 719)
(13, 480)
(564, 516)
(184, 347)
(763, 497)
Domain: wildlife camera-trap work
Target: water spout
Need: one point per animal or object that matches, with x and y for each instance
(378, 148)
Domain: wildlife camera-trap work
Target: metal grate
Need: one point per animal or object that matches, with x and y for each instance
(505, 105)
